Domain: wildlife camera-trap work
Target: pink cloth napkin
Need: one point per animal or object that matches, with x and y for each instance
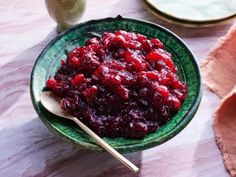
(219, 74)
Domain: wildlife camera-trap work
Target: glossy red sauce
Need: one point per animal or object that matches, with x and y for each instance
(120, 85)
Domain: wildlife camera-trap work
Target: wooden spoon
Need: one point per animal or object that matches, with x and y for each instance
(52, 104)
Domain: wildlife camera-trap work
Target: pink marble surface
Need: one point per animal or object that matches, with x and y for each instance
(29, 149)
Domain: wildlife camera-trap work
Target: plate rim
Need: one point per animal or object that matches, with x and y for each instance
(186, 22)
(127, 148)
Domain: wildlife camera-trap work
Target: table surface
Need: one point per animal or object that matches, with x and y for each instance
(29, 149)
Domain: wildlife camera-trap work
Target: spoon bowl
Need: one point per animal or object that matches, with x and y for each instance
(52, 104)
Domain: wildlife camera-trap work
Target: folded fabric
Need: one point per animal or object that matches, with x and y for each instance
(219, 74)
(219, 68)
(225, 130)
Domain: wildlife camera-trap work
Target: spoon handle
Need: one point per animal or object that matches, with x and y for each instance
(106, 146)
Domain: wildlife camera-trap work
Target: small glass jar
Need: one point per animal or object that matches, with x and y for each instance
(66, 13)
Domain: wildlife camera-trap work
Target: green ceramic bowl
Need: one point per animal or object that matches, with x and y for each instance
(49, 61)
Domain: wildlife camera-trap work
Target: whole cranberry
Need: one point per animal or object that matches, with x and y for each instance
(51, 84)
(174, 103)
(78, 79)
(92, 41)
(156, 43)
(136, 130)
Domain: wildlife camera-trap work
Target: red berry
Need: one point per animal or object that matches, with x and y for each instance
(78, 79)
(141, 38)
(114, 64)
(90, 92)
(179, 94)
(94, 48)
(74, 62)
(161, 55)
(136, 130)
(74, 53)
(133, 45)
(123, 92)
(158, 54)
(111, 80)
(125, 34)
(152, 126)
(119, 40)
(173, 103)
(51, 84)
(121, 32)
(147, 46)
(106, 39)
(152, 56)
(153, 75)
(138, 63)
(100, 71)
(162, 90)
(181, 86)
(156, 43)
(92, 41)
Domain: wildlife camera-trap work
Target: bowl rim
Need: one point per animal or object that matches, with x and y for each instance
(127, 148)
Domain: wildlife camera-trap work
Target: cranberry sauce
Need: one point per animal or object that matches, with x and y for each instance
(121, 85)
